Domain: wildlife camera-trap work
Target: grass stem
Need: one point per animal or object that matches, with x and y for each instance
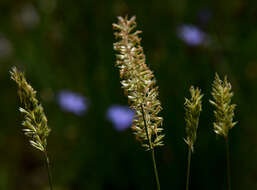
(188, 167)
(152, 149)
(228, 165)
(155, 171)
(48, 170)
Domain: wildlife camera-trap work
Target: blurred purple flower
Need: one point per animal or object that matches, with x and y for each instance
(72, 102)
(120, 116)
(191, 35)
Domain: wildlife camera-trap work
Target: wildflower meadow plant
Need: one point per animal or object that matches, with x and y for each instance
(193, 108)
(35, 123)
(224, 113)
(139, 84)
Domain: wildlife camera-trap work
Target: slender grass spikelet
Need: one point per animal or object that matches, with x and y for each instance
(224, 113)
(193, 108)
(35, 123)
(139, 84)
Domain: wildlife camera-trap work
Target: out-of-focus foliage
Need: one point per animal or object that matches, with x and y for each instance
(67, 46)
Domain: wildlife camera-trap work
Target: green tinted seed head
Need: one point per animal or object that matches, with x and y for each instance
(193, 108)
(224, 112)
(35, 123)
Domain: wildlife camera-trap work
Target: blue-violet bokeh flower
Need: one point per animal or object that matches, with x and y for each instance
(72, 102)
(120, 116)
(191, 35)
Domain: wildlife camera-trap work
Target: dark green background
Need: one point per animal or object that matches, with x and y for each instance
(71, 48)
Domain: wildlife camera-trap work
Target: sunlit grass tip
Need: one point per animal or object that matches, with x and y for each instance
(139, 83)
(193, 108)
(224, 112)
(35, 122)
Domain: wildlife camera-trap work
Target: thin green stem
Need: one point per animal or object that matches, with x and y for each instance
(188, 167)
(48, 170)
(152, 149)
(228, 165)
(156, 171)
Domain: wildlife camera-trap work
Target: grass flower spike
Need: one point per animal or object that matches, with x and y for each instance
(224, 113)
(193, 108)
(140, 86)
(138, 82)
(35, 123)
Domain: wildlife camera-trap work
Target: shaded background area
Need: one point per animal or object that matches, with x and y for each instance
(66, 47)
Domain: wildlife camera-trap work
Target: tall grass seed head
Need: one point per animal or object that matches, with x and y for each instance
(138, 83)
(35, 123)
(193, 108)
(224, 112)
